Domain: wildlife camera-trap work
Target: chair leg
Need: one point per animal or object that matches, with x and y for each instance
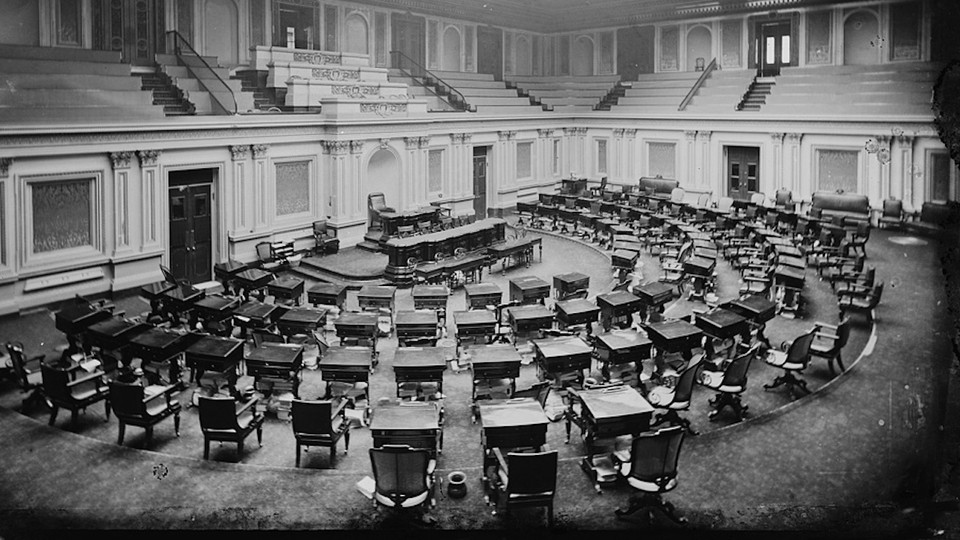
(206, 448)
(346, 441)
(333, 454)
(106, 404)
(176, 424)
(840, 363)
(239, 449)
(74, 419)
(260, 436)
(550, 515)
(53, 415)
(149, 436)
(298, 455)
(121, 430)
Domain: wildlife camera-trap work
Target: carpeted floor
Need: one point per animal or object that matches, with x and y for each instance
(849, 457)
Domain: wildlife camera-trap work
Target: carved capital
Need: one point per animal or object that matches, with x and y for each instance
(259, 150)
(545, 132)
(424, 142)
(570, 131)
(618, 132)
(582, 131)
(456, 138)
(467, 137)
(121, 160)
(503, 135)
(776, 137)
(239, 152)
(384, 143)
(905, 140)
(691, 135)
(631, 133)
(356, 147)
(335, 147)
(704, 135)
(148, 158)
(794, 138)
(411, 142)
(5, 166)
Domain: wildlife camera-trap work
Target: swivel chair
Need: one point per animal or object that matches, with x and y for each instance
(651, 470)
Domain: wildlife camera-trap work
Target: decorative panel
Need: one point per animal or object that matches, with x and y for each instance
(330, 20)
(257, 17)
(469, 60)
(524, 159)
(818, 37)
(184, 18)
(380, 38)
(536, 57)
(669, 48)
(556, 156)
(602, 156)
(837, 170)
(61, 214)
(355, 34)
(293, 187)
(549, 65)
(905, 31)
(433, 44)
(606, 52)
(435, 171)
(662, 159)
(730, 32)
(508, 52)
(68, 22)
(563, 47)
(939, 176)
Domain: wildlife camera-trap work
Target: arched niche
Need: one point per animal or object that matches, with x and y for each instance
(699, 45)
(524, 56)
(220, 20)
(861, 31)
(356, 34)
(582, 56)
(20, 22)
(384, 175)
(451, 49)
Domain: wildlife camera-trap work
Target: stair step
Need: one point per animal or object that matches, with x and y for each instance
(369, 246)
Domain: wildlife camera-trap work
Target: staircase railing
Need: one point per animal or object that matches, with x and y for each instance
(413, 69)
(182, 49)
(696, 86)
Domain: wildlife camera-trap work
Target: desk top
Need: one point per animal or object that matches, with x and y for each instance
(570, 278)
(561, 347)
(700, 263)
(577, 306)
(157, 338)
(613, 402)
(430, 291)
(495, 353)
(255, 310)
(718, 319)
(354, 318)
(377, 291)
(81, 314)
(654, 290)
(347, 356)
(789, 272)
(481, 289)
(332, 289)
(532, 311)
(416, 317)
(216, 303)
(618, 298)
(502, 413)
(419, 212)
(286, 282)
(474, 316)
(439, 236)
(275, 353)
(154, 290)
(230, 267)
(414, 417)
(253, 275)
(525, 283)
(115, 327)
(616, 340)
(184, 293)
(215, 346)
(303, 315)
(420, 357)
(670, 330)
(516, 243)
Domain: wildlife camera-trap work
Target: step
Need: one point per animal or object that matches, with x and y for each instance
(367, 245)
(461, 84)
(463, 75)
(652, 100)
(75, 98)
(51, 81)
(64, 54)
(173, 59)
(62, 67)
(498, 101)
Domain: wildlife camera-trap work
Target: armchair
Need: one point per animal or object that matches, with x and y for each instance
(76, 394)
(861, 280)
(651, 470)
(404, 477)
(376, 205)
(829, 342)
(858, 240)
(729, 384)
(320, 423)
(676, 398)
(134, 407)
(539, 391)
(523, 479)
(892, 214)
(858, 301)
(325, 238)
(265, 255)
(783, 200)
(27, 373)
(221, 420)
(793, 358)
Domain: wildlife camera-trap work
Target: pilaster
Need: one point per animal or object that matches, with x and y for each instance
(239, 155)
(151, 198)
(777, 155)
(337, 150)
(260, 196)
(121, 198)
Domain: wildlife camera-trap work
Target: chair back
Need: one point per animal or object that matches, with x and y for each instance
(843, 334)
(264, 252)
(863, 230)
(19, 362)
(736, 372)
(799, 352)
(684, 388)
(218, 413)
(376, 201)
(55, 382)
(815, 212)
(320, 228)
(126, 399)
(703, 200)
(677, 194)
(654, 456)
(892, 208)
(876, 294)
(725, 204)
(870, 276)
(603, 183)
(312, 417)
(261, 336)
(595, 208)
(539, 391)
(400, 472)
(532, 473)
(757, 199)
(167, 274)
(783, 197)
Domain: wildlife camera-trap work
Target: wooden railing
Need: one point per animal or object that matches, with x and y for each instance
(696, 86)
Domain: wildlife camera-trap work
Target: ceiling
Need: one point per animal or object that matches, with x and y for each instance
(550, 16)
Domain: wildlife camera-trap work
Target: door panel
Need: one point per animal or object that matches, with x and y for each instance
(191, 242)
(743, 169)
(480, 183)
(133, 27)
(774, 45)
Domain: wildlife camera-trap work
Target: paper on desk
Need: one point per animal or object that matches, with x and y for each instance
(366, 486)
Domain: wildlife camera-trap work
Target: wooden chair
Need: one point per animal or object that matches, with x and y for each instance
(133, 407)
(403, 476)
(539, 391)
(830, 341)
(220, 420)
(856, 301)
(793, 358)
(858, 240)
(892, 214)
(676, 398)
(651, 470)
(377, 204)
(524, 479)
(404, 231)
(729, 384)
(326, 241)
(27, 373)
(265, 255)
(320, 423)
(76, 394)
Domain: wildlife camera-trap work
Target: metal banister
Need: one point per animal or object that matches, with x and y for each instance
(459, 103)
(178, 39)
(696, 86)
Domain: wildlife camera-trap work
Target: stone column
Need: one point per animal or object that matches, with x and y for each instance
(411, 171)
(466, 164)
(615, 165)
(151, 199)
(545, 151)
(238, 156)
(703, 160)
(121, 197)
(691, 158)
(630, 155)
(354, 199)
(260, 196)
(569, 162)
(423, 179)
(337, 150)
(791, 155)
(582, 152)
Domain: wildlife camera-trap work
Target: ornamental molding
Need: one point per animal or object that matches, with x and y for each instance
(618, 132)
(794, 138)
(148, 158)
(569, 131)
(631, 133)
(704, 135)
(356, 91)
(259, 150)
(384, 144)
(545, 133)
(335, 147)
(356, 147)
(335, 74)
(506, 135)
(239, 152)
(383, 109)
(318, 58)
(121, 160)
(5, 166)
(776, 137)
(467, 137)
(411, 142)
(690, 135)
(424, 142)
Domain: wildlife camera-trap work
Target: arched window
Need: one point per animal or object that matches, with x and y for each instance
(582, 56)
(356, 34)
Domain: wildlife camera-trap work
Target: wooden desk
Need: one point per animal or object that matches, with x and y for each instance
(530, 318)
(179, 300)
(414, 424)
(376, 297)
(476, 322)
(573, 186)
(153, 294)
(286, 288)
(757, 308)
(625, 259)
(489, 362)
(788, 276)
(699, 266)
(402, 252)
(113, 333)
(430, 296)
(654, 295)
(279, 361)
(674, 336)
(512, 423)
(561, 355)
(720, 323)
(419, 364)
(481, 295)
(75, 318)
(347, 364)
(446, 270)
(252, 280)
(576, 312)
(328, 294)
(357, 325)
(301, 321)
(571, 282)
(161, 347)
(215, 308)
(415, 325)
(519, 250)
(622, 346)
(618, 306)
(528, 289)
(227, 271)
(392, 221)
(214, 353)
(253, 314)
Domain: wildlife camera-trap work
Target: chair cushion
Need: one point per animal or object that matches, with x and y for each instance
(156, 407)
(660, 396)
(776, 358)
(711, 379)
(412, 501)
(730, 389)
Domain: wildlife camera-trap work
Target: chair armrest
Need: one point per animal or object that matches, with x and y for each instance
(253, 401)
(95, 376)
(431, 466)
(166, 393)
(819, 324)
(827, 335)
(853, 293)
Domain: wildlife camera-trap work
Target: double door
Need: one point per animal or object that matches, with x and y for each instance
(743, 169)
(774, 48)
(133, 27)
(191, 232)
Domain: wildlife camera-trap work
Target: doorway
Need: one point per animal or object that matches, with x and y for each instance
(774, 48)
(190, 203)
(743, 170)
(490, 47)
(135, 28)
(294, 25)
(634, 51)
(480, 165)
(409, 34)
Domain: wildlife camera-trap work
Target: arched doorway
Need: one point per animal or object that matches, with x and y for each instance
(582, 56)
(860, 35)
(699, 45)
(451, 50)
(220, 31)
(356, 35)
(383, 175)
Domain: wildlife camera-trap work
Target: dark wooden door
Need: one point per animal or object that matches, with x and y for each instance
(634, 51)
(409, 37)
(480, 181)
(775, 49)
(191, 245)
(743, 170)
(133, 27)
(490, 51)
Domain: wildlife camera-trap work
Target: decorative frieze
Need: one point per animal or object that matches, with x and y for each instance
(467, 137)
(569, 131)
(121, 160)
(384, 144)
(239, 152)
(5, 166)
(545, 133)
(383, 109)
(356, 91)
(148, 158)
(333, 74)
(411, 142)
(335, 147)
(318, 58)
(259, 150)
